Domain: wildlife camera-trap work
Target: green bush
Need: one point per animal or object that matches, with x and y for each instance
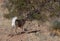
(18, 7)
(56, 25)
(37, 16)
(10, 16)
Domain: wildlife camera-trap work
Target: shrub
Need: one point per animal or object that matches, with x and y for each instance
(18, 7)
(56, 25)
(10, 16)
(37, 16)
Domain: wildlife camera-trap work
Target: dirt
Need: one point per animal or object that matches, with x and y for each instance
(30, 35)
(36, 31)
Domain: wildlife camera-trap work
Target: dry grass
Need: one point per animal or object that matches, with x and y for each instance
(42, 35)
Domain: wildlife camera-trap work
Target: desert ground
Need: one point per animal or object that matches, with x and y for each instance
(37, 31)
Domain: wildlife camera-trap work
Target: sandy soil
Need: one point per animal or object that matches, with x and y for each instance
(32, 35)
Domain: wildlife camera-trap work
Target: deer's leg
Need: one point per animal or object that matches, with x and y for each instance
(23, 29)
(16, 30)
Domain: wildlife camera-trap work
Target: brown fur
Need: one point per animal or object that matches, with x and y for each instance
(20, 24)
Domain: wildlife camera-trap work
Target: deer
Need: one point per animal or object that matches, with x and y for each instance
(18, 23)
